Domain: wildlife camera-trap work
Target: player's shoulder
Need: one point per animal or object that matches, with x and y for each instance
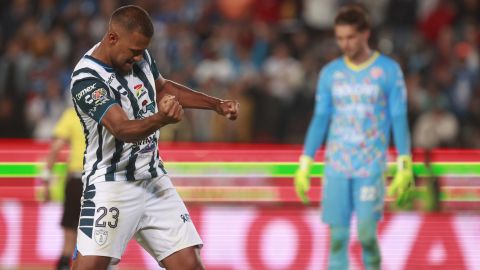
(89, 66)
(333, 65)
(387, 61)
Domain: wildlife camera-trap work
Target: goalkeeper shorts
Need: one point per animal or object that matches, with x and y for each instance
(343, 195)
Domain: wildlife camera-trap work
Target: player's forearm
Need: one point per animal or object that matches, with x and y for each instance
(134, 130)
(189, 98)
(401, 134)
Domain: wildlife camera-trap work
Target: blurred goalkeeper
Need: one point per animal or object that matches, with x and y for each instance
(69, 131)
(359, 96)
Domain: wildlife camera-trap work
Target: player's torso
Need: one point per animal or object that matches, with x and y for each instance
(358, 134)
(108, 159)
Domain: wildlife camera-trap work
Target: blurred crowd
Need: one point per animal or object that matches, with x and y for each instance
(267, 54)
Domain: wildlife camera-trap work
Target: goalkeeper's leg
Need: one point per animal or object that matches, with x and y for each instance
(339, 239)
(367, 235)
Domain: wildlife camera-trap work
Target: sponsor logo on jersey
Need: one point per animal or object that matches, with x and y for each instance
(345, 90)
(147, 140)
(338, 75)
(150, 147)
(92, 111)
(84, 91)
(100, 236)
(150, 107)
(185, 217)
(122, 90)
(139, 90)
(110, 79)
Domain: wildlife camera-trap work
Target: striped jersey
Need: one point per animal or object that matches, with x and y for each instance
(96, 87)
(361, 101)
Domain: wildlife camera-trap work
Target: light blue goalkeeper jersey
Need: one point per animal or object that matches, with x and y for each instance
(358, 104)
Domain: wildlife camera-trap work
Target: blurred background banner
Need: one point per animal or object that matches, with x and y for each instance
(248, 173)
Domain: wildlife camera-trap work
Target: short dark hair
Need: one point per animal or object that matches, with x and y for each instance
(353, 14)
(133, 18)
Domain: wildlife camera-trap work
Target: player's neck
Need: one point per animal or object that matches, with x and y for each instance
(99, 54)
(361, 57)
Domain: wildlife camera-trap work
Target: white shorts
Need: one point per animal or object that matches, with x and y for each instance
(151, 210)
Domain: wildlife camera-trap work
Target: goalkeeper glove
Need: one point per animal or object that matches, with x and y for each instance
(403, 186)
(302, 178)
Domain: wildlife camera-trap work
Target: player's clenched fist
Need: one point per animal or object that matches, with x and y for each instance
(170, 109)
(228, 108)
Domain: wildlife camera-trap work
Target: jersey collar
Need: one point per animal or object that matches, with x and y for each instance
(363, 65)
(102, 64)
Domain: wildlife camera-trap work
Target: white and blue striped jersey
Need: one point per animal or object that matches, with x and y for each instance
(95, 87)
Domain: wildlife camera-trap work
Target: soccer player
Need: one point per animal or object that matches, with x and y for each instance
(67, 131)
(127, 191)
(359, 96)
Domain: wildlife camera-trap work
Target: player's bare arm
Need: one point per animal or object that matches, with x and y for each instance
(191, 99)
(117, 122)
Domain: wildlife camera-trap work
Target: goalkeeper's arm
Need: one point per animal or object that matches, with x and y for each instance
(315, 136)
(402, 185)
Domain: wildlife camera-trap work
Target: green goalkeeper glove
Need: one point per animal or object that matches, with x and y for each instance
(302, 178)
(403, 186)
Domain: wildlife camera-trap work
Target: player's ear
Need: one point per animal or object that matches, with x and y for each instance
(367, 34)
(112, 37)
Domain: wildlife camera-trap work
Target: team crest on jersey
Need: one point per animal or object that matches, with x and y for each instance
(99, 95)
(100, 236)
(376, 72)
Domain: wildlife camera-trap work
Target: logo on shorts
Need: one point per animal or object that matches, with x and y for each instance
(101, 236)
(185, 217)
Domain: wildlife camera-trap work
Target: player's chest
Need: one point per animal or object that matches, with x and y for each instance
(362, 88)
(136, 95)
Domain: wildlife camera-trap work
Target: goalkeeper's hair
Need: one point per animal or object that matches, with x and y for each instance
(354, 14)
(133, 19)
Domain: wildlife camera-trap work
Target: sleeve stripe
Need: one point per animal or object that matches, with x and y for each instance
(108, 108)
